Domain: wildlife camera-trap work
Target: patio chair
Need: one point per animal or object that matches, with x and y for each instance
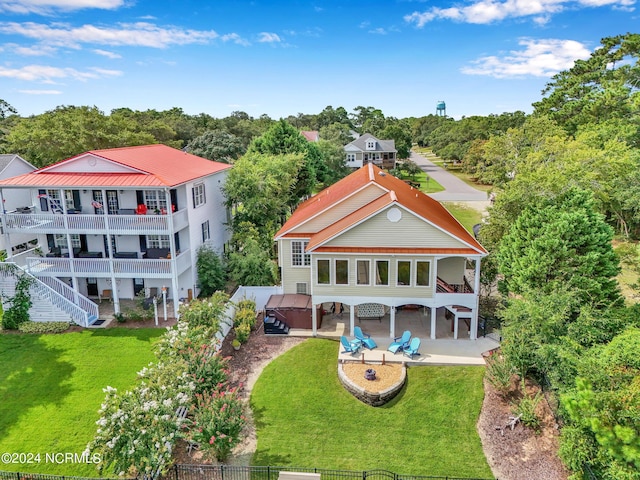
(364, 338)
(412, 349)
(350, 346)
(400, 342)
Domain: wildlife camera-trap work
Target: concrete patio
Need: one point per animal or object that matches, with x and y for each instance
(444, 350)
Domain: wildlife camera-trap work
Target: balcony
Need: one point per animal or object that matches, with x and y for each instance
(100, 267)
(95, 224)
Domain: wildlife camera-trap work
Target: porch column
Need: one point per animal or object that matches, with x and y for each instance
(7, 239)
(352, 319)
(434, 312)
(174, 254)
(392, 322)
(476, 290)
(314, 320)
(115, 296)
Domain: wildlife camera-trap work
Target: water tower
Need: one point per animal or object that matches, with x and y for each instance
(441, 109)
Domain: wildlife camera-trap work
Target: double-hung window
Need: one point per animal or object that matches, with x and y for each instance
(206, 234)
(198, 194)
(299, 258)
(155, 200)
(158, 241)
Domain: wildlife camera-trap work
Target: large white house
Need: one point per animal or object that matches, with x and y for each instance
(374, 243)
(115, 222)
(10, 166)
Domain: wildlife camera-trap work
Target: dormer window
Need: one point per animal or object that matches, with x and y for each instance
(371, 145)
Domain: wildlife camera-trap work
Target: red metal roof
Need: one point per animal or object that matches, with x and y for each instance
(158, 166)
(410, 198)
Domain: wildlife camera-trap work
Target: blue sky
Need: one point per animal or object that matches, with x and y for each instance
(285, 57)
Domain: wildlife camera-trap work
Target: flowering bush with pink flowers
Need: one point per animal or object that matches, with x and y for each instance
(216, 422)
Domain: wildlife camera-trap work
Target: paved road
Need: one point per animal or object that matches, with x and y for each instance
(455, 190)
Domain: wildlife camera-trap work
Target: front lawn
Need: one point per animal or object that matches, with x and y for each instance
(466, 215)
(51, 390)
(305, 418)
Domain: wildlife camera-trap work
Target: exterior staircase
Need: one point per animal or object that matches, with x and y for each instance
(51, 301)
(273, 326)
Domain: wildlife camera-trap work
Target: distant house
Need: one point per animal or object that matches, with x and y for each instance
(311, 135)
(368, 149)
(375, 244)
(117, 222)
(10, 166)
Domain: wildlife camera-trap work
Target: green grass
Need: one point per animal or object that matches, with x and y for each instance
(305, 418)
(430, 186)
(51, 390)
(467, 216)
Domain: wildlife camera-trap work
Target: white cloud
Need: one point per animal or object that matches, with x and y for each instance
(41, 92)
(139, 34)
(235, 38)
(107, 54)
(489, 11)
(539, 58)
(49, 74)
(378, 31)
(267, 37)
(45, 7)
(30, 51)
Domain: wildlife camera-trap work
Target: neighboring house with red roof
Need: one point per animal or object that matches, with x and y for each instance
(311, 135)
(372, 239)
(119, 221)
(368, 149)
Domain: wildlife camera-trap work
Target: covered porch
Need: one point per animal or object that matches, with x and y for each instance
(443, 350)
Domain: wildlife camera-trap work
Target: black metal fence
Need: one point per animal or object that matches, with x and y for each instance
(230, 472)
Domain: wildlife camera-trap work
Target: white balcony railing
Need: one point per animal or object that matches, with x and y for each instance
(101, 267)
(98, 224)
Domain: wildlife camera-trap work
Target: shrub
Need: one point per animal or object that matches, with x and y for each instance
(208, 370)
(218, 420)
(246, 304)
(499, 373)
(20, 303)
(245, 315)
(206, 312)
(242, 332)
(137, 429)
(43, 327)
(526, 409)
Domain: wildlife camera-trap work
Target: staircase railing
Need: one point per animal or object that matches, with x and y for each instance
(77, 314)
(72, 295)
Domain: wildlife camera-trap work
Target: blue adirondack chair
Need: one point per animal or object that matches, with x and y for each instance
(412, 349)
(364, 338)
(350, 346)
(400, 342)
